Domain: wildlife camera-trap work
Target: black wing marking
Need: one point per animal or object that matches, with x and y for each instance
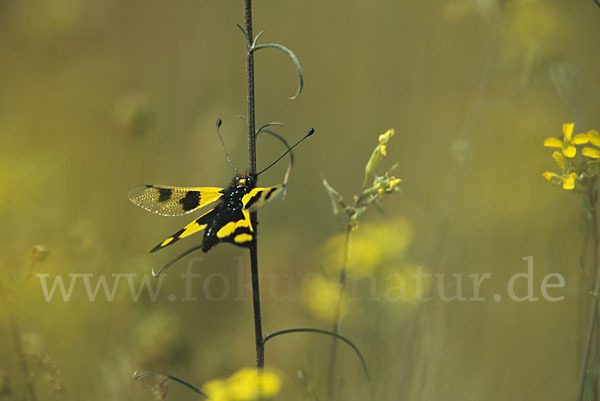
(230, 225)
(258, 197)
(173, 201)
(197, 225)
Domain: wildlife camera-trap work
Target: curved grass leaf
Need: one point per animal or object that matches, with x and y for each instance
(280, 137)
(267, 125)
(256, 38)
(328, 333)
(177, 258)
(245, 35)
(292, 56)
(142, 376)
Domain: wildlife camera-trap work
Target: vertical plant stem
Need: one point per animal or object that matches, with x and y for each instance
(258, 332)
(11, 309)
(250, 89)
(14, 328)
(338, 313)
(593, 314)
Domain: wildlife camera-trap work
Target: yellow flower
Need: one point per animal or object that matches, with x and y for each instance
(373, 245)
(549, 175)
(247, 384)
(321, 296)
(216, 390)
(594, 137)
(574, 169)
(566, 180)
(394, 182)
(568, 142)
(591, 152)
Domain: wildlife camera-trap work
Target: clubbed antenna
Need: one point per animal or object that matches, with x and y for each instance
(309, 133)
(219, 122)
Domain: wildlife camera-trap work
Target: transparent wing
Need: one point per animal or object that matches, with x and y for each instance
(258, 197)
(173, 201)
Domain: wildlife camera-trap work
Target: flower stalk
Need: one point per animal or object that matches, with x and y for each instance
(338, 314)
(10, 298)
(593, 313)
(578, 157)
(382, 185)
(258, 331)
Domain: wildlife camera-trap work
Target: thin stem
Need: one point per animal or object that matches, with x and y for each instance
(342, 286)
(250, 90)
(260, 345)
(338, 312)
(16, 333)
(258, 333)
(593, 314)
(14, 328)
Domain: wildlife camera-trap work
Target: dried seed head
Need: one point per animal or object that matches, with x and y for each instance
(39, 253)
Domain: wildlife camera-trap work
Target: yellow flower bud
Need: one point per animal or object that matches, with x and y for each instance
(384, 138)
(560, 160)
(548, 175)
(379, 153)
(376, 157)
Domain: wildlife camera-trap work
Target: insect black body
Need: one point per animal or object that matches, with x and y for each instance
(227, 221)
(229, 209)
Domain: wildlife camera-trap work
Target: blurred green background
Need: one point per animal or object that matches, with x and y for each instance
(98, 97)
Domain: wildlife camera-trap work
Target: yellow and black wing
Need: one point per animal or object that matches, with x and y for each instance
(173, 201)
(234, 225)
(222, 224)
(258, 197)
(197, 225)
